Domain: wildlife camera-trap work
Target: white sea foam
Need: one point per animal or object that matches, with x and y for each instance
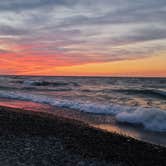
(151, 118)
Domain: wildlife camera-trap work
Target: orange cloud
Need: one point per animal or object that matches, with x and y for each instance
(11, 63)
(152, 66)
(18, 64)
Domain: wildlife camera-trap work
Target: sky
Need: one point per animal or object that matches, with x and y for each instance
(83, 37)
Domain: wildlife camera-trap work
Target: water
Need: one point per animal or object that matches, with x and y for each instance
(135, 104)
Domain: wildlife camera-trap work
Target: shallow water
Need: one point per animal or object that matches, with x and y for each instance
(131, 102)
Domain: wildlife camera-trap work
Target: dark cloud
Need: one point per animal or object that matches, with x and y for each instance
(118, 17)
(9, 30)
(138, 35)
(147, 34)
(15, 5)
(4, 52)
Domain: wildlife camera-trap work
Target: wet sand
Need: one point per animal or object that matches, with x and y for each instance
(32, 138)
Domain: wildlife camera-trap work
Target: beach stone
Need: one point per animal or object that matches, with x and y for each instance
(81, 163)
(37, 150)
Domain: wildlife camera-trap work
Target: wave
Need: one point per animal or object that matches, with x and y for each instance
(46, 83)
(60, 89)
(151, 118)
(150, 92)
(7, 88)
(160, 92)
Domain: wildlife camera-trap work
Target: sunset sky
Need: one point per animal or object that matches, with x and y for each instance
(83, 37)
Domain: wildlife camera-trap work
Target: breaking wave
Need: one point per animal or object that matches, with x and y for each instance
(47, 83)
(150, 92)
(151, 118)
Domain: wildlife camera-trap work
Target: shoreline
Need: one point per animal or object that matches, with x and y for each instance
(80, 138)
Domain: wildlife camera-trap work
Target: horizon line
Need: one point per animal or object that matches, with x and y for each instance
(122, 76)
